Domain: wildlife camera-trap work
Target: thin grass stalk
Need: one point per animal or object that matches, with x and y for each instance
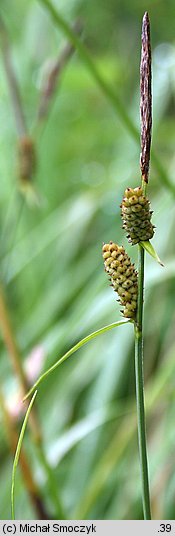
(146, 125)
(139, 379)
(139, 376)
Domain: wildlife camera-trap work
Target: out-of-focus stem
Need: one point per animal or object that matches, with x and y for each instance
(31, 486)
(12, 82)
(14, 354)
(107, 90)
(53, 78)
(26, 148)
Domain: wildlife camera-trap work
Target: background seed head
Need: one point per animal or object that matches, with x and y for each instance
(123, 277)
(136, 216)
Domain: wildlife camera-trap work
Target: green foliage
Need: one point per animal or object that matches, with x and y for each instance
(52, 269)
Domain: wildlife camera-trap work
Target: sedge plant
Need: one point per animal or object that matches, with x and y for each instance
(126, 279)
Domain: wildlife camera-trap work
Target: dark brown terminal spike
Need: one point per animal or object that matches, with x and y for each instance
(145, 98)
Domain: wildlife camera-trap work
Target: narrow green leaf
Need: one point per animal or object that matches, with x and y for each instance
(74, 349)
(17, 453)
(150, 249)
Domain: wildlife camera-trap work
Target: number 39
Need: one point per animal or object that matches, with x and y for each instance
(165, 528)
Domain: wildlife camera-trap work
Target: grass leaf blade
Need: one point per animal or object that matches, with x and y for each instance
(74, 349)
(17, 453)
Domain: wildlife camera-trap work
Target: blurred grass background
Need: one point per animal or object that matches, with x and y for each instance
(52, 270)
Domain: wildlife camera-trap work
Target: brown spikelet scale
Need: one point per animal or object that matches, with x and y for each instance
(136, 216)
(145, 98)
(27, 159)
(123, 277)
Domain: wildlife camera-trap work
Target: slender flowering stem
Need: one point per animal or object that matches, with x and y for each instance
(140, 387)
(146, 123)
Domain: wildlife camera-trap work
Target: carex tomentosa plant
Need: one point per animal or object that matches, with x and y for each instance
(126, 279)
(136, 216)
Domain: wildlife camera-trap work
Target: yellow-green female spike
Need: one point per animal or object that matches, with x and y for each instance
(136, 216)
(123, 277)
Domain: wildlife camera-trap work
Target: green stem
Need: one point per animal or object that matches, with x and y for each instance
(140, 387)
(106, 88)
